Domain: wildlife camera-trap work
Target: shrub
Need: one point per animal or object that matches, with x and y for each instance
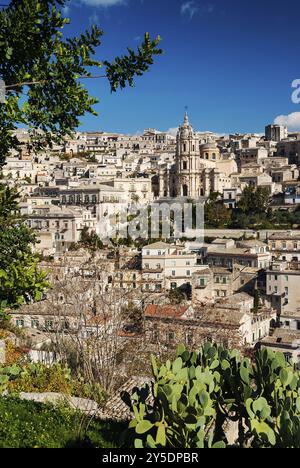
(39, 378)
(193, 399)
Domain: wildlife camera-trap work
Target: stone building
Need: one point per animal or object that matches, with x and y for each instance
(167, 326)
(285, 246)
(199, 169)
(282, 287)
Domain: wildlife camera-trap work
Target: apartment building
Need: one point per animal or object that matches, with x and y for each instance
(286, 342)
(285, 246)
(252, 256)
(169, 325)
(167, 267)
(282, 287)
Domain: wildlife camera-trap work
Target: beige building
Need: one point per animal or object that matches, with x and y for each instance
(199, 169)
(169, 325)
(167, 267)
(285, 246)
(283, 287)
(286, 342)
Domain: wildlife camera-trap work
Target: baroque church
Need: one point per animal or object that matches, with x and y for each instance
(200, 168)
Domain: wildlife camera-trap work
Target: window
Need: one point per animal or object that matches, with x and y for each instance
(155, 336)
(20, 323)
(49, 324)
(35, 323)
(189, 338)
(188, 263)
(188, 273)
(173, 285)
(173, 273)
(202, 282)
(171, 337)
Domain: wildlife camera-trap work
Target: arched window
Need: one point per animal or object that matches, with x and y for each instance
(185, 191)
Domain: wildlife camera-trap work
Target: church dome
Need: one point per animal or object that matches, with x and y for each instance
(185, 130)
(211, 145)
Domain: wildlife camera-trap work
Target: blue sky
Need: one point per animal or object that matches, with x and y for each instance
(231, 62)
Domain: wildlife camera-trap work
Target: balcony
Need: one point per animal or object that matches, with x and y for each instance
(153, 270)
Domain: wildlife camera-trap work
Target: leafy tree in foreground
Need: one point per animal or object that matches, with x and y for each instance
(193, 399)
(43, 72)
(20, 279)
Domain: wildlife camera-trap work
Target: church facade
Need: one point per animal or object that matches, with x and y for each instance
(199, 167)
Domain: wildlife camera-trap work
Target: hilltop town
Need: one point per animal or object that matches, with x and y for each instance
(237, 288)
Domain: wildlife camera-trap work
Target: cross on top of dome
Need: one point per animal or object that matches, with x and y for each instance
(186, 117)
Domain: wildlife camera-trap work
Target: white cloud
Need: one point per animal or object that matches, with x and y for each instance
(189, 8)
(103, 3)
(291, 121)
(172, 131)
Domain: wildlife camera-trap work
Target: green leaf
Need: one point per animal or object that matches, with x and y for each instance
(161, 438)
(204, 398)
(138, 444)
(143, 427)
(260, 404)
(219, 445)
(284, 376)
(177, 365)
(244, 373)
(154, 366)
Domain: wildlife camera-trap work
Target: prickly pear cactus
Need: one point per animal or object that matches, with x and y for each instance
(194, 397)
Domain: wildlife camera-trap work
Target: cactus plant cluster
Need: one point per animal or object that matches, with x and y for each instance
(192, 400)
(8, 374)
